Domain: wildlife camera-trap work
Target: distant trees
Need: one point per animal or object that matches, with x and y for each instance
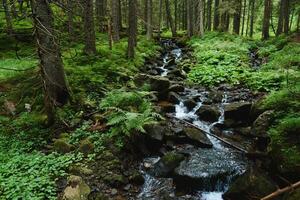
(132, 29)
(9, 27)
(114, 4)
(266, 19)
(89, 28)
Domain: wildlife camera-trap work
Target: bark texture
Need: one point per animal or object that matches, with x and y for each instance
(89, 28)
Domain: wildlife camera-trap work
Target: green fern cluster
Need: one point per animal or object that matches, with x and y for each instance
(128, 111)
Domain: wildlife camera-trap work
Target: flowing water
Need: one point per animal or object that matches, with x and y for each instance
(207, 173)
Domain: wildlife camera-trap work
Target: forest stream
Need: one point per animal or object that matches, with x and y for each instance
(207, 170)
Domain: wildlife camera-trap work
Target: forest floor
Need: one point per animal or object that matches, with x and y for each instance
(95, 136)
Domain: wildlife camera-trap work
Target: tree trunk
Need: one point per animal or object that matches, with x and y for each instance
(119, 15)
(145, 14)
(115, 20)
(89, 28)
(70, 12)
(237, 17)
(266, 19)
(13, 8)
(244, 16)
(100, 14)
(216, 15)
(169, 18)
(209, 5)
(149, 20)
(252, 17)
(131, 28)
(199, 20)
(53, 75)
(280, 18)
(189, 18)
(159, 18)
(248, 18)
(175, 15)
(9, 28)
(286, 13)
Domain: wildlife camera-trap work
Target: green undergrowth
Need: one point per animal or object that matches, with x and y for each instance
(26, 172)
(224, 58)
(284, 133)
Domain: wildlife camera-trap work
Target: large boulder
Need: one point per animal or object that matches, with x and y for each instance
(237, 113)
(208, 113)
(249, 185)
(159, 84)
(167, 107)
(156, 131)
(262, 123)
(166, 165)
(77, 189)
(190, 104)
(176, 88)
(197, 137)
(174, 98)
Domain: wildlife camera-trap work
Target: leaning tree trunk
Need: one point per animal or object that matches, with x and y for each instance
(9, 27)
(115, 20)
(169, 18)
(149, 20)
(266, 19)
(89, 28)
(131, 29)
(216, 15)
(53, 75)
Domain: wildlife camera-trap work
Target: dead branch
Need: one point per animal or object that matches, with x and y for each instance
(281, 191)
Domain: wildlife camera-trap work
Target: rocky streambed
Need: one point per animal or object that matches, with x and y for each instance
(187, 155)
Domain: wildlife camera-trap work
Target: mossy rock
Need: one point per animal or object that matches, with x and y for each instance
(115, 180)
(80, 170)
(86, 147)
(136, 178)
(62, 146)
(249, 185)
(77, 189)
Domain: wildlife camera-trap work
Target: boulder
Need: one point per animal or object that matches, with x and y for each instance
(190, 104)
(174, 98)
(153, 72)
(159, 84)
(249, 185)
(140, 79)
(215, 96)
(208, 113)
(136, 178)
(167, 106)
(156, 131)
(166, 165)
(176, 88)
(262, 123)
(77, 189)
(198, 137)
(86, 146)
(237, 113)
(62, 146)
(177, 73)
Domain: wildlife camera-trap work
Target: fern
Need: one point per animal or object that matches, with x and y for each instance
(128, 112)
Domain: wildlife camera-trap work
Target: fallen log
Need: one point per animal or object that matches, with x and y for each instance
(281, 191)
(213, 135)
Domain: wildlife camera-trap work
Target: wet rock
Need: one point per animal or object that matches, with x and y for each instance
(208, 113)
(176, 88)
(249, 185)
(62, 146)
(246, 131)
(190, 104)
(153, 72)
(174, 98)
(140, 79)
(166, 165)
(170, 63)
(156, 131)
(136, 178)
(197, 137)
(208, 169)
(215, 96)
(159, 84)
(167, 106)
(77, 189)
(86, 147)
(237, 113)
(217, 129)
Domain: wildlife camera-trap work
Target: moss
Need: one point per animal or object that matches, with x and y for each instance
(294, 195)
(86, 147)
(172, 159)
(62, 146)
